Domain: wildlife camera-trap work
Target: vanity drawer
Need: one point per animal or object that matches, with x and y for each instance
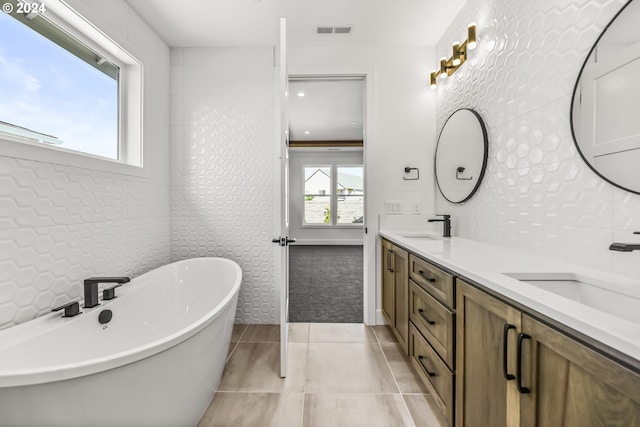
(435, 281)
(434, 373)
(433, 320)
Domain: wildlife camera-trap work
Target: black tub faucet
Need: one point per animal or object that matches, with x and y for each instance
(91, 288)
(625, 247)
(446, 224)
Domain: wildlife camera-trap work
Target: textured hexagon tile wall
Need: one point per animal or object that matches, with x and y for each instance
(222, 160)
(60, 225)
(537, 194)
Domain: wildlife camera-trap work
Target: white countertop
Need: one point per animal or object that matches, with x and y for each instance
(485, 264)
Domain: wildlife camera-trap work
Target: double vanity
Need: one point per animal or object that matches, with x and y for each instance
(501, 337)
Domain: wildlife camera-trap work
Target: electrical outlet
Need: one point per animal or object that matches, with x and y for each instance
(416, 208)
(393, 208)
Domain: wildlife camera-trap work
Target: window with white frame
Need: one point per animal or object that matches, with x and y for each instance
(67, 86)
(333, 195)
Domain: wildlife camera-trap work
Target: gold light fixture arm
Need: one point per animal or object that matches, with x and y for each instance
(458, 57)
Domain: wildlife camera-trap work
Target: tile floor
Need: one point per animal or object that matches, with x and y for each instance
(339, 375)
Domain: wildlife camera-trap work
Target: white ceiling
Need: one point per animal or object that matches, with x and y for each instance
(193, 23)
(327, 110)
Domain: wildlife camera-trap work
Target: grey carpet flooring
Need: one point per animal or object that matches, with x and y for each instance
(325, 284)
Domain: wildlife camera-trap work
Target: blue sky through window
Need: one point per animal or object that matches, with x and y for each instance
(48, 90)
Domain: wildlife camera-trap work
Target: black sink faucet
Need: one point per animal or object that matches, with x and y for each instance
(91, 288)
(446, 224)
(625, 247)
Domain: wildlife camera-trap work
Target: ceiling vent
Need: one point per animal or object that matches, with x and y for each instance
(333, 30)
(341, 30)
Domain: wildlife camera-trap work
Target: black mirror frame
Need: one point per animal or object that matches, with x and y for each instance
(573, 98)
(484, 160)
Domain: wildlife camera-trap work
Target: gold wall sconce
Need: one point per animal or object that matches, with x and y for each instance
(458, 57)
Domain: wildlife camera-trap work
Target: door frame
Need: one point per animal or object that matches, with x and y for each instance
(370, 291)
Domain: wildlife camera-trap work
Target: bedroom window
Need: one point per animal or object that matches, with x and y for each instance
(333, 195)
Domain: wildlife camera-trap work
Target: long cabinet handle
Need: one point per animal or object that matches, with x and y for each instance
(421, 313)
(429, 373)
(505, 346)
(428, 279)
(521, 389)
(389, 252)
(393, 260)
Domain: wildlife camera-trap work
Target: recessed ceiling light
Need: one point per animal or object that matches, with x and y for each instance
(306, 132)
(354, 122)
(302, 94)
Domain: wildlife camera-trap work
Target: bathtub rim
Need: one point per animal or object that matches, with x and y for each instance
(26, 377)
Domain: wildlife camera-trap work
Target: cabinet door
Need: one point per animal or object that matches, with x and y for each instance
(388, 285)
(571, 385)
(484, 396)
(401, 280)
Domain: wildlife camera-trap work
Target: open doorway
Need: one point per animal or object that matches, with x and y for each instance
(327, 199)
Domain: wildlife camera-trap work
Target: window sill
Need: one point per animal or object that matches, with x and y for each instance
(21, 149)
(331, 227)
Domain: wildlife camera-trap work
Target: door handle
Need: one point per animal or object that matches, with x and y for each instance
(424, 368)
(521, 389)
(283, 241)
(505, 346)
(421, 312)
(428, 279)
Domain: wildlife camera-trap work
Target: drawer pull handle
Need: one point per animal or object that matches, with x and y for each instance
(421, 312)
(428, 279)
(505, 333)
(521, 389)
(430, 374)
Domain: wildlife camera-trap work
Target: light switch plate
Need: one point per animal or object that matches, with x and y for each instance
(393, 208)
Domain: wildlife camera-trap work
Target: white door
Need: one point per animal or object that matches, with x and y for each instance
(283, 240)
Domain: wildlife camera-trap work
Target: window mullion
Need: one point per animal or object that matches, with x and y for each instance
(334, 195)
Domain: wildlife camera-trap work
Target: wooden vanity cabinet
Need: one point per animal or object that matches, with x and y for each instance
(395, 291)
(513, 370)
(571, 385)
(431, 330)
(484, 396)
(432, 279)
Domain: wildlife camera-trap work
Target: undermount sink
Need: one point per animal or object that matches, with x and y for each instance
(587, 291)
(419, 236)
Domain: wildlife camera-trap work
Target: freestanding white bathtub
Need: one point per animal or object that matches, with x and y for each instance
(157, 363)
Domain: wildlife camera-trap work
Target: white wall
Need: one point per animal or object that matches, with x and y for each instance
(318, 235)
(400, 128)
(60, 224)
(537, 194)
(222, 166)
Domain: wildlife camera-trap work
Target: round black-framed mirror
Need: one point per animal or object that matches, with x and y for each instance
(603, 116)
(461, 155)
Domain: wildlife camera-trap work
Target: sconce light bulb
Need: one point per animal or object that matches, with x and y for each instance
(455, 58)
(472, 41)
(432, 79)
(443, 68)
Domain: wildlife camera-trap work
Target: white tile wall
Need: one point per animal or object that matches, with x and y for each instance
(222, 166)
(61, 224)
(537, 194)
